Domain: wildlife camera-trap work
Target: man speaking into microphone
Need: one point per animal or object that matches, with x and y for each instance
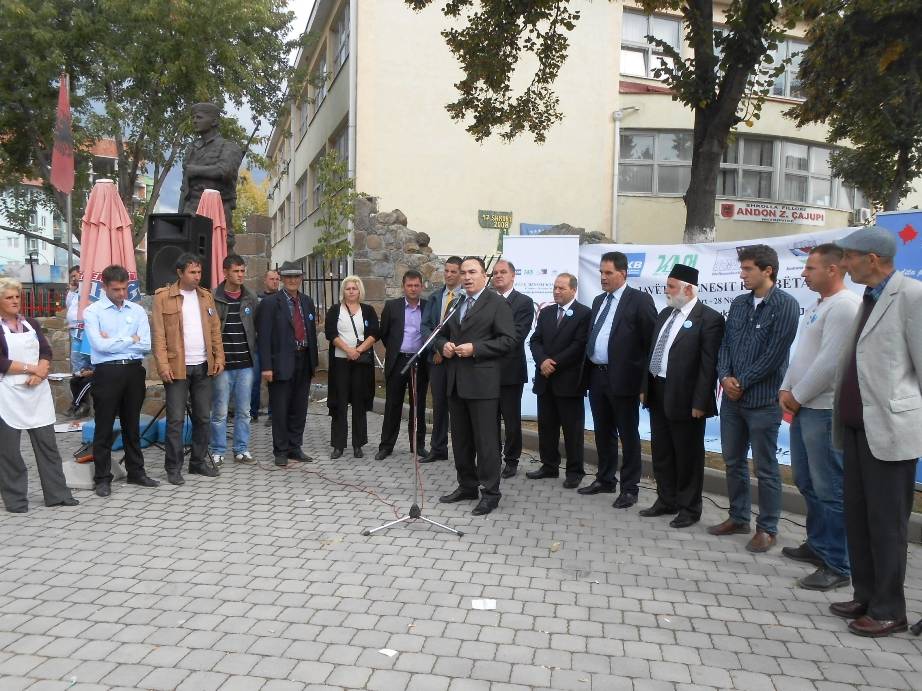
(480, 332)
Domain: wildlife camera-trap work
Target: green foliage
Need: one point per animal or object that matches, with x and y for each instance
(252, 198)
(862, 75)
(135, 69)
(336, 210)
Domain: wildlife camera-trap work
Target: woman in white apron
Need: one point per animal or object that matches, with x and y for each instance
(26, 404)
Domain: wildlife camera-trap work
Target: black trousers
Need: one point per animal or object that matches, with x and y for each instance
(475, 442)
(77, 386)
(438, 386)
(118, 390)
(555, 412)
(615, 418)
(289, 399)
(197, 385)
(678, 456)
(510, 411)
(351, 382)
(396, 390)
(878, 502)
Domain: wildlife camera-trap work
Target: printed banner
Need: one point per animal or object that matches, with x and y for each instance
(768, 212)
(538, 260)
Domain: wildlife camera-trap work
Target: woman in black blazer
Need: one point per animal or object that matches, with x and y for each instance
(351, 328)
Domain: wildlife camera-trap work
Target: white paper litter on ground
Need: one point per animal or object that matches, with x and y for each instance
(74, 426)
(388, 652)
(483, 604)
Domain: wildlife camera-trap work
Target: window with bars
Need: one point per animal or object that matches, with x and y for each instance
(638, 56)
(655, 162)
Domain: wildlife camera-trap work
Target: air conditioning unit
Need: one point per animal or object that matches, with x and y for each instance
(862, 216)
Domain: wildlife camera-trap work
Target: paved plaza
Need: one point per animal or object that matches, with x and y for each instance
(261, 579)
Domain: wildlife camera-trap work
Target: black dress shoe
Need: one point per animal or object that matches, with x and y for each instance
(625, 500)
(19, 509)
(656, 510)
(175, 479)
(459, 494)
(281, 461)
(804, 553)
(300, 456)
(70, 501)
(433, 457)
(542, 473)
(572, 482)
(205, 469)
(382, 454)
(509, 471)
(357, 452)
(849, 610)
(103, 489)
(336, 453)
(681, 521)
(143, 481)
(484, 507)
(422, 452)
(596, 488)
(824, 579)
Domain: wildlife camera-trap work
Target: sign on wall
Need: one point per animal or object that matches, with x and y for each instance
(772, 213)
(496, 220)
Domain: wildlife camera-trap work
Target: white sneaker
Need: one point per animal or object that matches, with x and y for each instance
(217, 459)
(244, 457)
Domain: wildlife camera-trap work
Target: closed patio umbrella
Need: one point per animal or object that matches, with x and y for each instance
(210, 205)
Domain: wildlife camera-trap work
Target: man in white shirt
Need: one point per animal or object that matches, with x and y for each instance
(806, 394)
(189, 353)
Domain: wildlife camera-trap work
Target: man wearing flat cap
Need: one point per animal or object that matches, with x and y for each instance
(877, 421)
(679, 391)
(287, 342)
(211, 162)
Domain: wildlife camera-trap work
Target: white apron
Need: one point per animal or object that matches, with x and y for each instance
(23, 406)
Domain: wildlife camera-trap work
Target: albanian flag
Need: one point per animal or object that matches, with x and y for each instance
(62, 158)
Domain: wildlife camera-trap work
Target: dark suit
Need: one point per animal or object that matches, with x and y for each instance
(396, 384)
(690, 382)
(432, 315)
(614, 388)
(560, 396)
(513, 376)
(292, 367)
(473, 390)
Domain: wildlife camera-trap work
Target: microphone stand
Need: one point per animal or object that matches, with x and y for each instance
(415, 514)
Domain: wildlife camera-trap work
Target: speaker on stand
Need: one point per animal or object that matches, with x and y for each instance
(168, 237)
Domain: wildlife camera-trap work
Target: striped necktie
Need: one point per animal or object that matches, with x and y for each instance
(659, 350)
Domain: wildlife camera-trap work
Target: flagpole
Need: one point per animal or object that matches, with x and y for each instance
(70, 236)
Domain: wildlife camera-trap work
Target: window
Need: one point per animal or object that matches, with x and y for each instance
(302, 198)
(341, 38)
(787, 84)
(807, 175)
(638, 56)
(319, 80)
(304, 113)
(340, 144)
(31, 245)
(655, 162)
(850, 198)
(747, 168)
(316, 188)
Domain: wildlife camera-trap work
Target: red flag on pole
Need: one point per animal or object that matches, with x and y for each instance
(62, 158)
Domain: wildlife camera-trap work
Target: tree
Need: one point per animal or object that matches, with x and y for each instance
(869, 94)
(336, 208)
(135, 69)
(252, 198)
(724, 84)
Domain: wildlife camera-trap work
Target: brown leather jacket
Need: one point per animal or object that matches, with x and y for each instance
(167, 333)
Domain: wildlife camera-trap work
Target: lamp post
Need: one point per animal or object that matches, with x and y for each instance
(32, 258)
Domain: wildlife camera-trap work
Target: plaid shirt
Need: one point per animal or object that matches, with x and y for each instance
(878, 290)
(756, 345)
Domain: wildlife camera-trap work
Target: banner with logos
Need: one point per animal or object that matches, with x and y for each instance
(538, 260)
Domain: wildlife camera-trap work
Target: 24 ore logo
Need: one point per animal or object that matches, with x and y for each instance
(665, 262)
(635, 262)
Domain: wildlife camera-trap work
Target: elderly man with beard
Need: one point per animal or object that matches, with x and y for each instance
(679, 391)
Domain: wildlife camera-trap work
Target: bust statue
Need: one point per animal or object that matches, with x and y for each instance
(211, 162)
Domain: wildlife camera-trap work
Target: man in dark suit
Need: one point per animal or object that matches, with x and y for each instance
(559, 349)
(287, 342)
(514, 371)
(473, 341)
(437, 307)
(617, 349)
(679, 390)
(401, 334)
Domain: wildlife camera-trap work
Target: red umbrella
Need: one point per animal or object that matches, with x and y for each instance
(210, 205)
(106, 239)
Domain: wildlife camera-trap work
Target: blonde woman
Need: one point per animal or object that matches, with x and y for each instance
(26, 404)
(351, 328)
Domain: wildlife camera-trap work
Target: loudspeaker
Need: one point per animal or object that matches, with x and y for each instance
(169, 236)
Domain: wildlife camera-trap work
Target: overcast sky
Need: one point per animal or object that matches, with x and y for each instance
(169, 195)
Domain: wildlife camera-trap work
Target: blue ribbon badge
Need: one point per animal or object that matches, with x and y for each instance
(687, 324)
(568, 313)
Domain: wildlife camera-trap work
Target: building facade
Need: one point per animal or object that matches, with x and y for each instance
(618, 162)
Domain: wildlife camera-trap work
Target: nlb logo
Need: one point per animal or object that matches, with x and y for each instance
(635, 262)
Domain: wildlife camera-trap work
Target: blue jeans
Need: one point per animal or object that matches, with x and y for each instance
(237, 383)
(741, 428)
(818, 475)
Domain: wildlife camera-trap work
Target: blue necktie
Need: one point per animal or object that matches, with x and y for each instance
(597, 327)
